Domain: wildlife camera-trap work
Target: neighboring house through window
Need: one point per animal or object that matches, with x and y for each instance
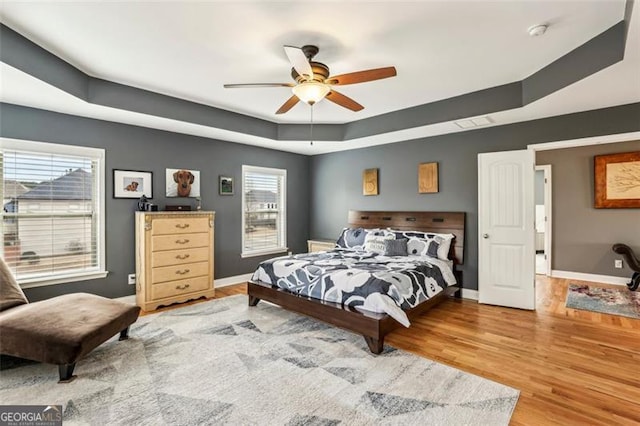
(264, 218)
(52, 221)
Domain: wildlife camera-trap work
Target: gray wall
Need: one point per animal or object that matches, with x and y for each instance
(333, 180)
(336, 178)
(137, 148)
(539, 182)
(583, 235)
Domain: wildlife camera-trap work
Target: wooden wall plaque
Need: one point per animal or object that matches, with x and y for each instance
(370, 182)
(428, 178)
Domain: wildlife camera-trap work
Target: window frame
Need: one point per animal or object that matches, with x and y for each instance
(282, 210)
(95, 154)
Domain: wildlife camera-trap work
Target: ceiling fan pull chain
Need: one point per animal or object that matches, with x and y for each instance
(311, 127)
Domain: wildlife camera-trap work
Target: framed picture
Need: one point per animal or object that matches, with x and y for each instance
(182, 183)
(370, 182)
(132, 184)
(428, 178)
(617, 180)
(226, 185)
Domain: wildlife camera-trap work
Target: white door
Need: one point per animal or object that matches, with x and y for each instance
(506, 225)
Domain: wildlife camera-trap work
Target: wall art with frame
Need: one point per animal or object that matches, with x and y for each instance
(132, 184)
(617, 180)
(182, 183)
(226, 185)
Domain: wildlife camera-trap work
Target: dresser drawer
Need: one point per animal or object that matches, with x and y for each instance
(179, 241)
(183, 225)
(179, 272)
(176, 288)
(179, 257)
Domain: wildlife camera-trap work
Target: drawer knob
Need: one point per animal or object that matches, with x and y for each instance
(182, 225)
(185, 271)
(182, 256)
(182, 287)
(185, 241)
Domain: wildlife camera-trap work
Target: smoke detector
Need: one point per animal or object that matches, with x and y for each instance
(537, 30)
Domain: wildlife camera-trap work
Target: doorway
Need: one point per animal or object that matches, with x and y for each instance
(543, 219)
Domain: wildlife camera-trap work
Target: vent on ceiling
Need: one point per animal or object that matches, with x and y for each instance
(474, 122)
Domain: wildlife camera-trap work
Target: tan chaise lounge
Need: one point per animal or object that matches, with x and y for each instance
(60, 330)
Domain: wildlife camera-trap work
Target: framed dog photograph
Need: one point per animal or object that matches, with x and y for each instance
(226, 185)
(183, 183)
(132, 184)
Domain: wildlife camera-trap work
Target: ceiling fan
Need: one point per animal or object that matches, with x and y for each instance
(313, 83)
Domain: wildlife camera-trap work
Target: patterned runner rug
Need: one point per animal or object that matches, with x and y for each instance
(222, 362)
(622, 301)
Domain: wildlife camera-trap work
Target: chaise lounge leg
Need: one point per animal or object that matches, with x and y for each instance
(124, 334)
(375, 345)
(66, 372)
(253, 301)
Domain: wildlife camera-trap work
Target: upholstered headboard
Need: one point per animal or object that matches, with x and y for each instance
(436, 222)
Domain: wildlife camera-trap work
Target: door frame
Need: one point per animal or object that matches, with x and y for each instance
(572, 143)
(546, 168)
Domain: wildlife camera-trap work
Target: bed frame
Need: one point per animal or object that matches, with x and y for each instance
(374, 327)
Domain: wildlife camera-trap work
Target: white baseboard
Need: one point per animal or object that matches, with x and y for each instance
(604, 279)
(469, 294)
(237, 279)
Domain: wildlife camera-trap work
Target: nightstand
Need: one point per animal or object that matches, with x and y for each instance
(320, 245)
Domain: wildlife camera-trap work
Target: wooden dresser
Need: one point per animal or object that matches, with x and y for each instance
(174, 257)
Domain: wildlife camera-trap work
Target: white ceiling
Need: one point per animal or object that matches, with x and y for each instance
(441, 49)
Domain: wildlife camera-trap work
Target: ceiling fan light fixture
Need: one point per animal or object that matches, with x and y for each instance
(311, 92)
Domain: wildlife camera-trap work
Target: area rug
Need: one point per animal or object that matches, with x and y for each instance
(222, 362)
(612, 301)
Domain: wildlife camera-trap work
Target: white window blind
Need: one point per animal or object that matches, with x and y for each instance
(264, 211)
(52, 199)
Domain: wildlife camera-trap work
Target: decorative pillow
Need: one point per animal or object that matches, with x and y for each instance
(10, 292)
(376, 243)
(426, 243)
(352, 238)
(380, 232)
(395, 247)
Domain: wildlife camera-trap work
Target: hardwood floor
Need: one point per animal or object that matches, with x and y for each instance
(572, 367)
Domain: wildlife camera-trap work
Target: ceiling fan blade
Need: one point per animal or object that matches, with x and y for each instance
(291, 102)
(362, 76)
(344, 101)
(241, 86)
(299, 61)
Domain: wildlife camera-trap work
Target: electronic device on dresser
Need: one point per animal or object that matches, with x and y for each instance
(174, 257)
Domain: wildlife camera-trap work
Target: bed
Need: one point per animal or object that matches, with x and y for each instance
(389, 290)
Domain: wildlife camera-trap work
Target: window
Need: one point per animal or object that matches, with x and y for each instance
(52, 221)
(264, 218)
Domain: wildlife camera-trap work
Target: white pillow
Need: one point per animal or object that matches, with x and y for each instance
(445, 245)
(375, 243)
